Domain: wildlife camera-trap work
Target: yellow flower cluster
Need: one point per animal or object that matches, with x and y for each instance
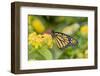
(84, 30)
(40, 40)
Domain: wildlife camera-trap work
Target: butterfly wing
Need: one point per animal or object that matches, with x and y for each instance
(64, 40)
(61, 40)
(73, 42)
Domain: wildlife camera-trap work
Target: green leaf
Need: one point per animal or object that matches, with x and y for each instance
(56, 52)
(45, 53)
(31, 52)
(30, 29)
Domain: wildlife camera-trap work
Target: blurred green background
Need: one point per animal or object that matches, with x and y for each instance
(41, 45)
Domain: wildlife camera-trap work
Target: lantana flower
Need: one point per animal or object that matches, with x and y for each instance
(38, 40)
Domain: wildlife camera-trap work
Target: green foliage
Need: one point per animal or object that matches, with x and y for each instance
(39, 54)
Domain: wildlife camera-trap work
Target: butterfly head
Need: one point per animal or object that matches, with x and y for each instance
(53, 33)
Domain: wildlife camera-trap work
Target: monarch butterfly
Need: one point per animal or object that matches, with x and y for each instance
(63, 40)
